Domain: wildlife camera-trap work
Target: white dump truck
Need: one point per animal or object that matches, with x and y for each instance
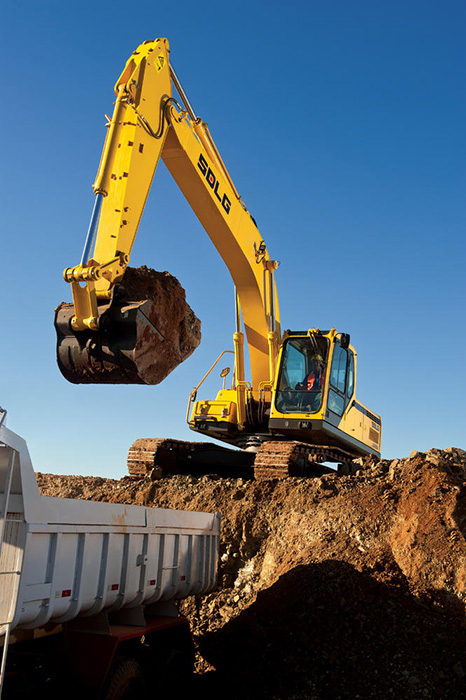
(88, 590)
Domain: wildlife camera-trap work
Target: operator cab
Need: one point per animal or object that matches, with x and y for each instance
(315, 398)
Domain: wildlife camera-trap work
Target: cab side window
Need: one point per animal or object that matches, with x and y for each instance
(338, 369)
(350, 386)
(341, 380)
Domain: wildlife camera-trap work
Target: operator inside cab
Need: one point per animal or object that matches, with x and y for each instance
(301, 375)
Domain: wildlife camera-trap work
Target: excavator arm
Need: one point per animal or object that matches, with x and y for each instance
(149, 123)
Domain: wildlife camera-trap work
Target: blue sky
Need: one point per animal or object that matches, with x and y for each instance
(342, 125)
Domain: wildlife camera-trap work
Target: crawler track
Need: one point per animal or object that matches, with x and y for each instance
(145, 454)
(275, 459)
(157, 457)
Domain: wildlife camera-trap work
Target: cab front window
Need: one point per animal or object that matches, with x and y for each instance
(301, 375)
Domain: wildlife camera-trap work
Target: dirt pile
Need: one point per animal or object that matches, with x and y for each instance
(167, 330)
(334, 587)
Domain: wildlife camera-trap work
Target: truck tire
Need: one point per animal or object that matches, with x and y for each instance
(126, 681)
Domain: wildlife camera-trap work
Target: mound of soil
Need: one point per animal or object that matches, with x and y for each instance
(334, 587)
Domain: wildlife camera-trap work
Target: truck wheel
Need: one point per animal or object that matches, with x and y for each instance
(126, 681)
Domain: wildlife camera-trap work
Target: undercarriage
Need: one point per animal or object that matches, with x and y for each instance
(273, 459)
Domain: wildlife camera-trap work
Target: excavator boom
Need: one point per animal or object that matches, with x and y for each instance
(105, 336)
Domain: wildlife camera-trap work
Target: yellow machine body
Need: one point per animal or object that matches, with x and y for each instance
(330, 417)
(148, 123)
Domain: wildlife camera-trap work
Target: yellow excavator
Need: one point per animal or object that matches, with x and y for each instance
(298, 410)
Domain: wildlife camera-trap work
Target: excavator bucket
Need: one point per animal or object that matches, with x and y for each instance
(139, 341)
(120, 354)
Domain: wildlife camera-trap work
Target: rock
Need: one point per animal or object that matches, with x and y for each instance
(392, 469)
(456, 454)
(156, 354)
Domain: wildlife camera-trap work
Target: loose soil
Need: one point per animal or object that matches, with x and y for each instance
(167, 329)
(334, 587)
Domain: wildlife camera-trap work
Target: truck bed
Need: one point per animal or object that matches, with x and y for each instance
(62, 558)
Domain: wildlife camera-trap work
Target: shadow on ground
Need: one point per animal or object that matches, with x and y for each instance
(328, 631)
